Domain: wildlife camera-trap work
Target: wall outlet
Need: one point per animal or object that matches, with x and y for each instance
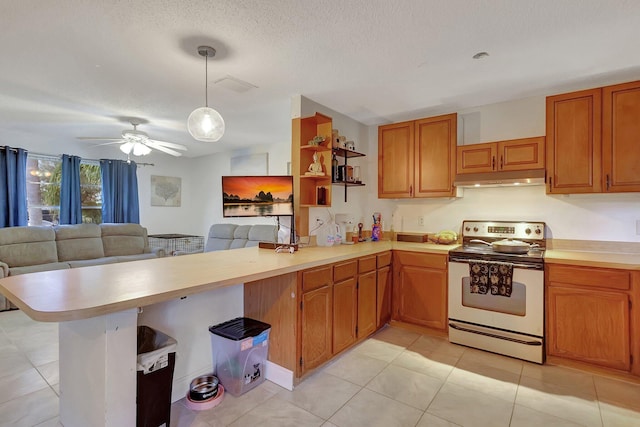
(421, 221)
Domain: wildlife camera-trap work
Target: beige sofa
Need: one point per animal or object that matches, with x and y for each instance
(43, 248)
(233, 236)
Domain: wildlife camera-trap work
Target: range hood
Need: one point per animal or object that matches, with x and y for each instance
(501, 179)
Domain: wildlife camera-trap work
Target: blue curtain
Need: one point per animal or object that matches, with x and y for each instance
(119, 191)
(13, 187)
(70, 198)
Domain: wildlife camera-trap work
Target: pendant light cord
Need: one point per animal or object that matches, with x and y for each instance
(206, 80)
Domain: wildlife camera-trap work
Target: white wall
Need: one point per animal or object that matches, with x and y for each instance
(206, 191)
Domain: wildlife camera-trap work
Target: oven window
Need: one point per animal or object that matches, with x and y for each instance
(516, 304)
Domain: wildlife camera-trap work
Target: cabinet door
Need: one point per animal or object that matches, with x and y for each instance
(521, 154)
(435, 156)
(421, 296)
(621, 137)
(589, 326)
(345, 308)
(316, 326)
(476, 158)
(367, 304)
(383, 303)
(395, 160)
(574, 160)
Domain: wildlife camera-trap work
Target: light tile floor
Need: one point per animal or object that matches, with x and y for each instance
(395, 378)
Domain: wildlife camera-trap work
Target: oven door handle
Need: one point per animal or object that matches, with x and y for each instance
(488, 334)
(515, 265)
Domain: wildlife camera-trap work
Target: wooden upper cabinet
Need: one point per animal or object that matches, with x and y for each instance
(435, 156)
(574, 145)
(417, 158)
(509, 155)
(621, 137)
(395, 160)
(476, 158)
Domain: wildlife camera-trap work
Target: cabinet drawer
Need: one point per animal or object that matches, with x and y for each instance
(344, 270)
(422, 260)
(366, 264)
(316, 278)
(585, 276)
(384, 259)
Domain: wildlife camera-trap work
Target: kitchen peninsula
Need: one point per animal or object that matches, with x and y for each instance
(99, 308)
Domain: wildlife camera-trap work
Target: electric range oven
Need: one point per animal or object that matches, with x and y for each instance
(483, 312)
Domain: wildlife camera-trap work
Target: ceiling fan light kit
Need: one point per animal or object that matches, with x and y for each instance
(204, 123)
(138, 143)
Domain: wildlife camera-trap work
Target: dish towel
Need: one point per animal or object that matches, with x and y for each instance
(500, 277)
(479, 275)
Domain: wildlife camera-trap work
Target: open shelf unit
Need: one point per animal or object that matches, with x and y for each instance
(305, 187)
(346, 155)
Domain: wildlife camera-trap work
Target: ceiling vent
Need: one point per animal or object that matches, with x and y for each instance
(234, 84)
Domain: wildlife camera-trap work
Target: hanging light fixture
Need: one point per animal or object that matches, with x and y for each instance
(138, 148)
(204, 123)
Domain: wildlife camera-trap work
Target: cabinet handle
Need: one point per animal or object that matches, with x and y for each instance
(501, 162)
(493, 163)
(607, 182)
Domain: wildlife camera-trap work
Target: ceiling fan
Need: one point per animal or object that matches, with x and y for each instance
(138, 143)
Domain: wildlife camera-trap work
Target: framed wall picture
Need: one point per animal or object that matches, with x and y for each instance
(166, 191)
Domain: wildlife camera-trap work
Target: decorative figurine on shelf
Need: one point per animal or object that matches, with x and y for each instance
(315, 168)
(317, 140)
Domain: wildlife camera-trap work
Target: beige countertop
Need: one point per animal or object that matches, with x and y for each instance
(628, 261)
(80, 293)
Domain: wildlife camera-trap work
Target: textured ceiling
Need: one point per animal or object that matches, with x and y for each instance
(79, 67)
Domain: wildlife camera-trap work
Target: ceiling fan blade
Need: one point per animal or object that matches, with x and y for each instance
(169, 144)
(89, 138)
(120, 141)
(153, 144)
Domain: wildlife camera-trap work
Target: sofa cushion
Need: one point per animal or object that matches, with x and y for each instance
(79, 242)
(136, 257)
(263, 233)
(15, 271)
(29, 245)
(95, 261)
(220, 237)
(124, 239)
(240, 236)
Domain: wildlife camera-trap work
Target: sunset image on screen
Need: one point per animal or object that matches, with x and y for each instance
(257, 195)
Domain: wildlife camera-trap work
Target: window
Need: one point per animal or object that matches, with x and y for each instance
(43, 190)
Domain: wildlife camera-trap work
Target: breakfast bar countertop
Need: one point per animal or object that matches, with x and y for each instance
(80, 293)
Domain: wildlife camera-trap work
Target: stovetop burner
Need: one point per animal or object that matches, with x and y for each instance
(490, 231)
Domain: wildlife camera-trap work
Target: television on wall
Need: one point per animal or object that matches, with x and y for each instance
(249, 196)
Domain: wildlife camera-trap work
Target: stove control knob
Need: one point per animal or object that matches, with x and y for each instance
(475, 229)
(538, 231)
(467, 228)
(528, 231)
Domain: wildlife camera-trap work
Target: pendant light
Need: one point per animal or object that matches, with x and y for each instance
(204, 123)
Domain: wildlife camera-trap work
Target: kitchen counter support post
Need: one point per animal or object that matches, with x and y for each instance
(98, 370)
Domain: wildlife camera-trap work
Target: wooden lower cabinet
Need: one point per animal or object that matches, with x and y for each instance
(589, 315)
(345, 318)
(384, 283)
(367, 304)
(316, 330)
(420, 289)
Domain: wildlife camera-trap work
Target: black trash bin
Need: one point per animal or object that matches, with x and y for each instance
(240, 350)
(155, 365)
